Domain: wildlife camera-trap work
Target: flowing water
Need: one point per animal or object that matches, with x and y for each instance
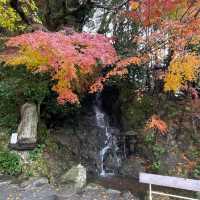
(110, 159)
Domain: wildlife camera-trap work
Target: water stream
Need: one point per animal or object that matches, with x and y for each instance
(110, 159)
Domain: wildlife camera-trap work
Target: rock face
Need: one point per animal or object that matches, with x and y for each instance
(132, 167)
(76, 175)
(27, 130)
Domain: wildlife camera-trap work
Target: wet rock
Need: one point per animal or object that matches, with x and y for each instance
(132, 167)
(169, 163)
(76, 175)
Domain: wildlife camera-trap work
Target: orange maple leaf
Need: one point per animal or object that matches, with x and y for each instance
(156, 123)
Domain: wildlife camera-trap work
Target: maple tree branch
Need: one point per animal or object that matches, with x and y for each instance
(187, 10)
(197, 13)
(15, 4)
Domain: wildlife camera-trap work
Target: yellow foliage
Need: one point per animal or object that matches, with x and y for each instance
(29, 57)
(182, 69)
(134, 5)
(8, 16)
(63, 76)
(10, 20)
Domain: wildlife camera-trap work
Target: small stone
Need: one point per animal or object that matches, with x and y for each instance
(113, 191)
(128, 196)
(35, 182)
(198, 195)
(40, 182)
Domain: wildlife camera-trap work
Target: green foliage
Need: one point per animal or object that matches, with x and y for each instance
(56, 114)
(137, 112)
(196, 172)
(37, 152)
(156, 166)
(43, 133)
(10, 163)
(18, 86)
(155, 149)
(158, 151)
(37, 165)
(194, 154)
(150, 138)
(20, 83)
(8, 17)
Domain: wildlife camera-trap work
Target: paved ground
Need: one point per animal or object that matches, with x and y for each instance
(40, 190)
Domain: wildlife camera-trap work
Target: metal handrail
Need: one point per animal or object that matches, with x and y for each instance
(169, 181)
(166, 194)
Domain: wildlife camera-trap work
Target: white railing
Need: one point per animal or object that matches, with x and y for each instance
(168, 181)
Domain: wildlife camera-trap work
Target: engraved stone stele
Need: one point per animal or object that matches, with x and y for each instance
(27, 129)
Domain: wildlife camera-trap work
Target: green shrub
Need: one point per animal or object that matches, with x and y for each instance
(158, 151)
(136, 113)
(37, 152)
(150, 139)
(10, 163)
(156, 166)
(196, 172)
(37, 165)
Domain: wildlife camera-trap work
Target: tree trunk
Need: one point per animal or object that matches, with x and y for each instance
(57, 14)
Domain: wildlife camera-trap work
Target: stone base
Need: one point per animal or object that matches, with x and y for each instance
(22, 147)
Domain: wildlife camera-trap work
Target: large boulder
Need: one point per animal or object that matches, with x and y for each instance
(76, 176)
(27, 129)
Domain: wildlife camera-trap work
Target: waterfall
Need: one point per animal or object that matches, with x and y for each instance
(110, 151)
